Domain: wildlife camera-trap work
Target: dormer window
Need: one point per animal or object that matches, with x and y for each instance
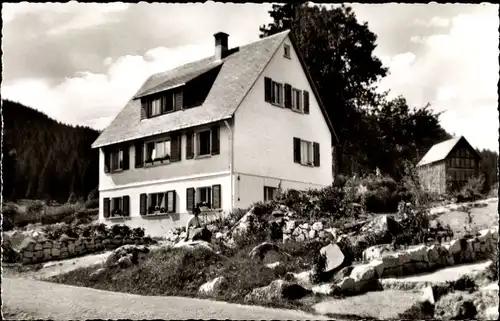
(286, 51)
(163, 103)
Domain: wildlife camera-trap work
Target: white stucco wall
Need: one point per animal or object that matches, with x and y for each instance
(184, 167)
(249, 189)
(264, 132)
(159, 225)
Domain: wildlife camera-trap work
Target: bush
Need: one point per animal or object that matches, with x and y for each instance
(472, 190)
(9, 213)
(92, 203)
(319, 266)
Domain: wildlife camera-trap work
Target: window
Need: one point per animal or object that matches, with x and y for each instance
(203, 140)
(277, 93)
(270, 193)
(117, 160)
(296, 99)
(168, 103)
(467, 162)
(155, 107)
(159, 203)
(157, 151)
(286, 51)
(203, 196)
(306, 154)
(473, 163)
(116, 206)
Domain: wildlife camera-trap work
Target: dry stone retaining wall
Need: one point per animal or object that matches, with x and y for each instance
(37, 251)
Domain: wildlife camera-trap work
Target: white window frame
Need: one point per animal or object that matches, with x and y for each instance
(306, 152)
(272, 190)
(156, 107)
(286, 51)
(117, 153)
(277, 93)
(198, 143)
(156, 143)
(198, 195)
(297, 99)
(112, 206)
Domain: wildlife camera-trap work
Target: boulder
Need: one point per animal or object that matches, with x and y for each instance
(382, 225)
(136, 254)
(375, 252)
(363, 272)
(125, 261)
(325, 289)
(334, 256)
(242, 226)
(273, 265)
(94, 276)
(260, 250)
(213, 287)
(346, 286)
(311, 235)
(317, 226)
(276, 290)
(190, 245)
(457, 305)
(290, 226)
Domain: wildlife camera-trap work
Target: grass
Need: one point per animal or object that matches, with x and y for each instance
(483, 218)
(180, 272)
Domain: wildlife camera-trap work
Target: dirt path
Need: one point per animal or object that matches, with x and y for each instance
(43, 300)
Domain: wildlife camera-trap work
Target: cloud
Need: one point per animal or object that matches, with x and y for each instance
(435, 21)
(457, 72)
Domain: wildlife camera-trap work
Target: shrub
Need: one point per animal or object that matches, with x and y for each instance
(472, 190)
(275, 231)
(138, 232)
(92, 203)
(319, 266)
(9, 255)
(9, 213)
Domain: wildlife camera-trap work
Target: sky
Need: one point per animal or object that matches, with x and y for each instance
(80, 63)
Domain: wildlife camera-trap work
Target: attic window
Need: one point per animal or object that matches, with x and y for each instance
(286, 49)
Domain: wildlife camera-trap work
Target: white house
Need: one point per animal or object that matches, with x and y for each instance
(225, 130)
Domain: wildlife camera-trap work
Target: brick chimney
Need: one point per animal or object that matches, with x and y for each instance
(221, 47)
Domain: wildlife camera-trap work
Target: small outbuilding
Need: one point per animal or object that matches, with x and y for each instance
(447, 166)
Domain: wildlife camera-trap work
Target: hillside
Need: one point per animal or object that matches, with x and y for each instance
(45, 159)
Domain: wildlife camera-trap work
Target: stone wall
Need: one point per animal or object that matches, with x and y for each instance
(43, 250)
(293, 231)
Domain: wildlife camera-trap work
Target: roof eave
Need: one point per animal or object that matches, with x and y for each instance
(93, 146)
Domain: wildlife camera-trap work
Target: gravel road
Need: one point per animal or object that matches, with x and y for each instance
(44, 300)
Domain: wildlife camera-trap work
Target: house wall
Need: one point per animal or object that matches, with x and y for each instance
(458, 174)
(249, 189)
(184, 167)
(433, 177)
(264, 134)
(159, 225)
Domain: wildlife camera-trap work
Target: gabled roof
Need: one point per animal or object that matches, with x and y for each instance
(238, 73)
(441, 150)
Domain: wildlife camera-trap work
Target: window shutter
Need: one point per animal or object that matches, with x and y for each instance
(178, 100)
(215, 140)
(144, 204)
(126, 205)
(267, 89)
(190, 199)
(189, 146)
(170, 201)
(316, 154)
(139, 154)
(216, 197)
(288, 96)
(306, 102)
(107, 161)
(106, 207)
(126, 158)
(296, 150)
(175, 143)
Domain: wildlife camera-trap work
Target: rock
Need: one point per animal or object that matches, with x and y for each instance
(382, 225)
(290, 226)
(135, 253)
(276, 290)
(194, 244)
(491, 313)
(438, 210)
(260, 250)
(124, 262)
(378, 265)
(333, 232)
(317, 226)
(278, 213)
(96, 274)
(325, 288)
(427, 295)
(301, 238)
(242, 226)
(219, 235)
(418, 253)
(363, 272)
(375, 252)
(311, 235)
(342, 273)
(304, 226)
(55, 252)
(321, 234)
(346, 286)
(303, 278)
(38, 247)
(286, 237)
(297, 231)
(213, 287)
(334, 256)
(273, 265)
